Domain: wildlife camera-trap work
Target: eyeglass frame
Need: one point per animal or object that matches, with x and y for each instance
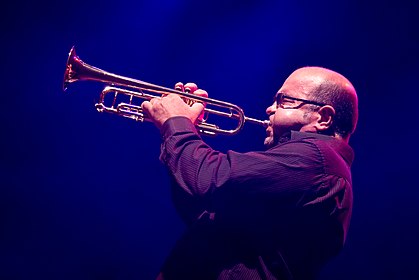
(279, 97)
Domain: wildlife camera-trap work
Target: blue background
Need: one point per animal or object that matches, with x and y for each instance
(84, 196)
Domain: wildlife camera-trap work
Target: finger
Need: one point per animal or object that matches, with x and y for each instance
(201, 92)
(196, 109)
(146, 106)
(190, 87)
(179, 86)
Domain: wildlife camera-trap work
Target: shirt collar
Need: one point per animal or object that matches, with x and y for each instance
(341, 147)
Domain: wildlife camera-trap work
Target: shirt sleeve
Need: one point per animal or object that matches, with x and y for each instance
(290, 170)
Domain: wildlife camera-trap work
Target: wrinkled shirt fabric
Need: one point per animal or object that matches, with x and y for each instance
(275, 214)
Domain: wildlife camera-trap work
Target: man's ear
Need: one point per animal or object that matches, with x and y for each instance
(326, 118)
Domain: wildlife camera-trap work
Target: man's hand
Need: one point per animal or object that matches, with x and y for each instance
(160, 109)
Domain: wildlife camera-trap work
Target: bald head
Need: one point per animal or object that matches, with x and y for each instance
(316, 76)
(329, 87)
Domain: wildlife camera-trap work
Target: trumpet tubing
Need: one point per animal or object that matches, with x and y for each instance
(133, 90)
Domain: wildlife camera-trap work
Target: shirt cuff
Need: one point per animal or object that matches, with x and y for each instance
(176, 124)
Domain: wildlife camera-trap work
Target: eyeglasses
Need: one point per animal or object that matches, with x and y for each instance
(287, 102)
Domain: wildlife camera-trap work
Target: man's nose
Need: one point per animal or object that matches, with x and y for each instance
(271, 109)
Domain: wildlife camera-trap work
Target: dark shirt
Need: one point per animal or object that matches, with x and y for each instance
(274, 214)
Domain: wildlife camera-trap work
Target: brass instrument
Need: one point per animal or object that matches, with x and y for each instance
(77, 70)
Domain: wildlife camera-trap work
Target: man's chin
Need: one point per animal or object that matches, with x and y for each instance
(269, 142)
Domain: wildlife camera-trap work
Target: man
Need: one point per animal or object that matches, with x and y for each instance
(276, 214)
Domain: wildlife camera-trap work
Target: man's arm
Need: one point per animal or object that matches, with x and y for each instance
(201, 171)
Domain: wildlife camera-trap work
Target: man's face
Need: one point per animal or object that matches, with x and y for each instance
(291, 114)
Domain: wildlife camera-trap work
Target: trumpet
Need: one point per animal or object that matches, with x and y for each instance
(134, 91)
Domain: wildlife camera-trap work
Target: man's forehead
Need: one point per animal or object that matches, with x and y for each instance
(297, 85)
(304, 78)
